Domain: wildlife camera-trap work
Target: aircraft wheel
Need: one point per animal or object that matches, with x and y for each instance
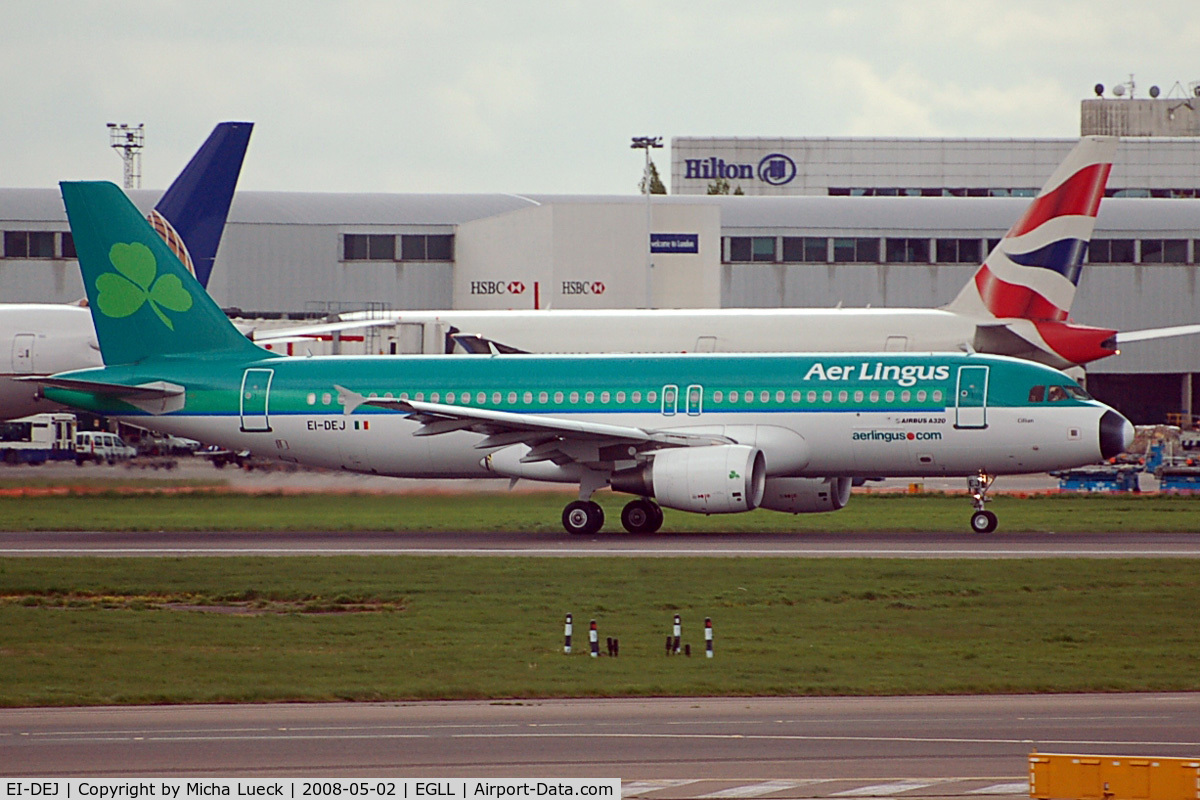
(583, 517)
(641, 516)
(983, 522)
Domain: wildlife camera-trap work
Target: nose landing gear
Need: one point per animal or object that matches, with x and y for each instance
(981, 521)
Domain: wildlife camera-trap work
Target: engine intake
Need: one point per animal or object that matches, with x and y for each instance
(716, 479)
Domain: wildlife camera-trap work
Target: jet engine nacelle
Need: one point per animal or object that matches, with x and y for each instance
(713, 479)
(507, 462)
(806, 495)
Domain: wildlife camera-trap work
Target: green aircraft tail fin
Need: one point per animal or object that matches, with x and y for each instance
(144, 302)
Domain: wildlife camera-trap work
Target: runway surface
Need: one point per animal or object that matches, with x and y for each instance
(468, 543)
(660, 748)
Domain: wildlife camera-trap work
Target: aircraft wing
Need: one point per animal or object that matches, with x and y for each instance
(1125, 337)
(552, 438)
(308, 331)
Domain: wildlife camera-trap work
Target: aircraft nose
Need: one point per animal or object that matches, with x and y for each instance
(1116, 434)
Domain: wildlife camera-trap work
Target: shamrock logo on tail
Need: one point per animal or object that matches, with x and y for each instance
(120, 295)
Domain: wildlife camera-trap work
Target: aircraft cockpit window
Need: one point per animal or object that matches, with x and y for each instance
(1075, 392)
(1037, 394)
(1056, 394)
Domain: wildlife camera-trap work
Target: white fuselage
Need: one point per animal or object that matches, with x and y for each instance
(39, 339)
(726, 330)
(866, 444)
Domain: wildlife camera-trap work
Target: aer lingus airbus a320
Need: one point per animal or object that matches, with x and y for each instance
(708, 433)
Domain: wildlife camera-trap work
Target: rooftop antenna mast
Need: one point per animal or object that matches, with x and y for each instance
(128, 141)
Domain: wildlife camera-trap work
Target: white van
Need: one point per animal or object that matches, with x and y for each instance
(101, 446)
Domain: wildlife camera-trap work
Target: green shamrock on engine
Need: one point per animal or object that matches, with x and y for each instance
(122, 295)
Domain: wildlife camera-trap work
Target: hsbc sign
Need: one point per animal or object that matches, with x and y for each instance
(582, 287)
(497, 287)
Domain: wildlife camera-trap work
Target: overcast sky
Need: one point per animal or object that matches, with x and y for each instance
(521, 96)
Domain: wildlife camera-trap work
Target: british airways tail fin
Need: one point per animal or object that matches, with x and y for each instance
(1032, 273)
(191, 214)
(144, 302)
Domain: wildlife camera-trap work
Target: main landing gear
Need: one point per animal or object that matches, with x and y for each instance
(641, 516)
(981, 521)
(585, 517)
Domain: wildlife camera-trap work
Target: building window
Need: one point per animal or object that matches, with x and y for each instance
(743, 249)
(856, 250)
(68, 245)
(29, 244)
(908, 251)
(805, 249)
(1164, 251)
(369, 247)
(1110, 251)
(763, 248)
(426, 247)
(958, 251)
(739, 249)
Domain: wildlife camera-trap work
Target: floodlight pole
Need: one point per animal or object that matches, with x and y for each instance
(646, 143)
(128, 141)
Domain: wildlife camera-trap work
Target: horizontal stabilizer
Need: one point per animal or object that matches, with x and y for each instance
(157, 397)
(146, 391)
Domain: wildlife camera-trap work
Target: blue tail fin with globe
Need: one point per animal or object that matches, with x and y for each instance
(144, 302)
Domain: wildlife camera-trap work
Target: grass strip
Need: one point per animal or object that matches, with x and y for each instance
(432, 627)
(540, 512)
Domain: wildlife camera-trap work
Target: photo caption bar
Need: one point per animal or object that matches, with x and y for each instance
(298, 789)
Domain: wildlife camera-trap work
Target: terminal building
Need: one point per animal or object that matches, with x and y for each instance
(856, 222)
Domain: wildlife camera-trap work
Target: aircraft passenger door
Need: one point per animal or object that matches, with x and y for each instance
(256, 389)
(22, 354)
(971, 398)
(670, 400)
(695, 400)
